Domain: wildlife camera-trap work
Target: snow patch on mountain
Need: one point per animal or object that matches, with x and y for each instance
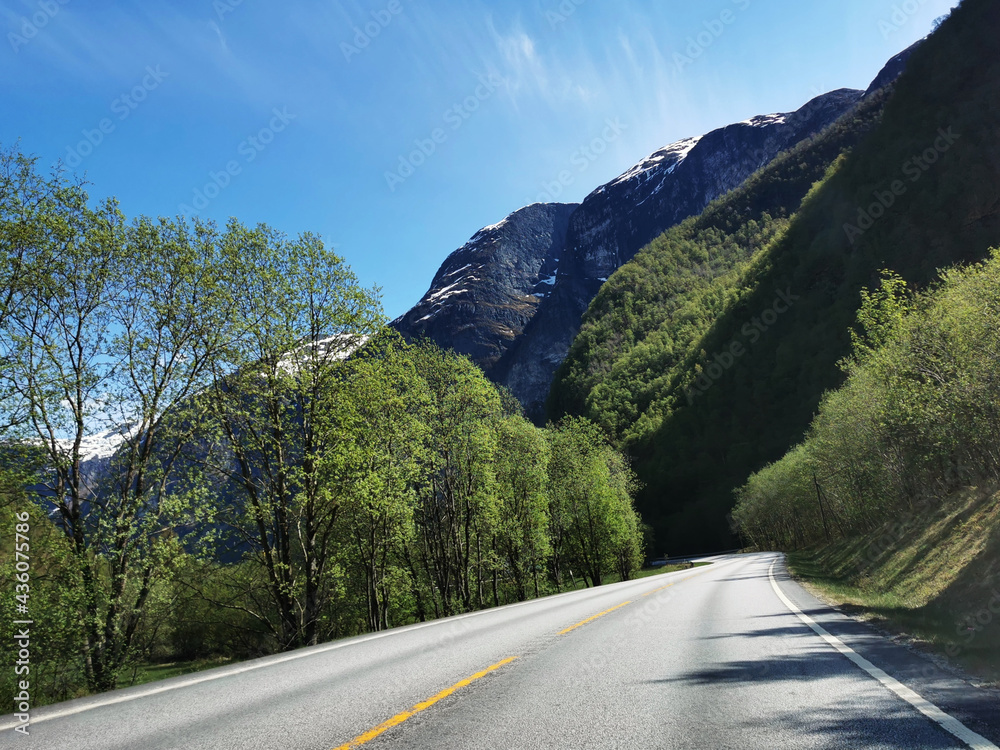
(486, 230)
(451, 290)
(458, 270)
(100, 445)
(763, 121)
(330, 349)
(671, 157)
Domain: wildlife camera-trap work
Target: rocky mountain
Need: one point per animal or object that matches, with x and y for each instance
(894, 68)
(513, 296)
(487, 291)
(616, 220)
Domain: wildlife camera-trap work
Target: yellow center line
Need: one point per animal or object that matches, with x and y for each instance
(649, 593)
(399, 718)
(671, 584)
(592, 617)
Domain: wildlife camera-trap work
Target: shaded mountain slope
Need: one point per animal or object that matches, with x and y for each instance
(649, 314)
(920, 193)
(619, 218)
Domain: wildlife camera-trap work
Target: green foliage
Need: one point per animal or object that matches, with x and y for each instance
(521, 537)
(287, 471)
(595, 529)
(55, 596)
(880, 316)
(377, 414)
(917, 418)
(264, 431)
(666, 319)
(109, 326)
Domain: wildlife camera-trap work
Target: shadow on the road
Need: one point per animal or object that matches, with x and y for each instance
(813, 665)
(791, 630)
(847, 727)
(815, 613)
(850, 725)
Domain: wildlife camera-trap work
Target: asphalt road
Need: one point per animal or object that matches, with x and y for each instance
(713, 657)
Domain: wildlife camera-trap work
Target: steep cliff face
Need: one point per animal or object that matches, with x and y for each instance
(512, 298)
(487, 291)
(616, 220)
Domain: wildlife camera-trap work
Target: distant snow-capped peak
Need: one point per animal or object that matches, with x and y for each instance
(671, 157)
(100, 445)
(329, 349)
(762, 121)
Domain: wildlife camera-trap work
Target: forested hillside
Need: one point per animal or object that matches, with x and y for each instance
(917, 419)
(730, 376)
(281, 468)
(649, 313)
(890, 503)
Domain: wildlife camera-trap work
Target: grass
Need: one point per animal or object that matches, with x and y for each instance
(932, 576)
(152, 672)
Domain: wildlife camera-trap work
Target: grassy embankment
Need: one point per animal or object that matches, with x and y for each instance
(933, 575)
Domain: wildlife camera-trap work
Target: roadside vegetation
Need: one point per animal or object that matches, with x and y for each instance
(279, 469)
(934, 582)
(891, 498)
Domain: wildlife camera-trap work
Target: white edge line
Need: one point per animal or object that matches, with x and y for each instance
(948, 723)
(271, 661)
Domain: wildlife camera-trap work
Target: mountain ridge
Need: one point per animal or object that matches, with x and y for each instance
(709, 414)
(520, 332)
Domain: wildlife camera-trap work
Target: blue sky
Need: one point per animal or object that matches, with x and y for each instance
(397, 128)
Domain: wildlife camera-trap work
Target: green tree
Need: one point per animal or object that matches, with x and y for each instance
(376, 414)
(594, 525)
(108, 333)
(880, 316)
(521, 538)
(457, 505)
(300, 313)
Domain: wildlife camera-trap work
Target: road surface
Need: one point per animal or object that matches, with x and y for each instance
(730, 655)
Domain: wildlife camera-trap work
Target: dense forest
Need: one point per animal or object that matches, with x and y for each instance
(706, 357)
(916, 420)
(276, 468)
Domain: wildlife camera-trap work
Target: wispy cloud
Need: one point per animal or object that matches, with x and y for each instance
(531, 71)
(222, 38)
